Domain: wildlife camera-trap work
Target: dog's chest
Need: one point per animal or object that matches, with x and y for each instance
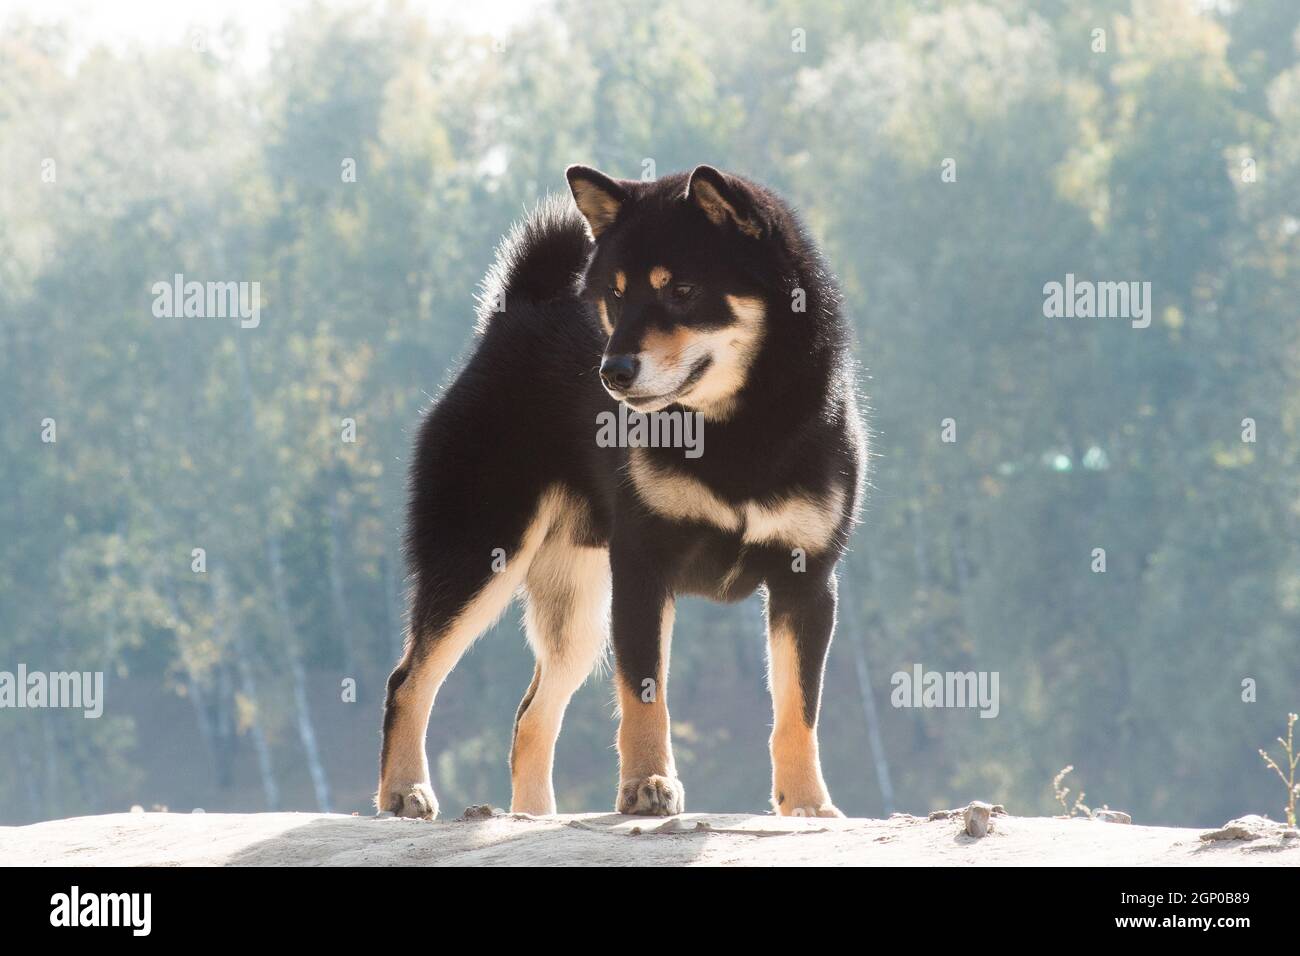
(793, 520)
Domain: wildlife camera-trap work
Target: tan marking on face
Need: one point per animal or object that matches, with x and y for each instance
(798, 788)
(644, 730)
(733, 349)
(667, 348)
(620, 281)
(668, 357)
(604, 317)
(659, 277)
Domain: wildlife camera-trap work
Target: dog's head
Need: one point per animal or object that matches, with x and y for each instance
(675, 280)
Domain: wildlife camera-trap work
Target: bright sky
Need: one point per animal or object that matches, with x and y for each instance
(119, 23)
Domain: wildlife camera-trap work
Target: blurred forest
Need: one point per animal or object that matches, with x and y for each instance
(1164, 149)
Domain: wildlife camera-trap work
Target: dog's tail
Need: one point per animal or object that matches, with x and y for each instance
(539, 259)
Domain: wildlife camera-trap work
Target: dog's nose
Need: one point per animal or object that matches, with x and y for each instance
(619, 371)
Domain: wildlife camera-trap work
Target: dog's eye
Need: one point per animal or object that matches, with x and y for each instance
(616, 292)
(682, 291)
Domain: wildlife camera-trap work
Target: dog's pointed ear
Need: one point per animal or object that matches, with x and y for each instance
(723, 200)
(598, 197)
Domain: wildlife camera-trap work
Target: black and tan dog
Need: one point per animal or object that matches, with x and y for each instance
(695, 294)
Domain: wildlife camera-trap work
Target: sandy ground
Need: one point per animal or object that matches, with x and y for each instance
(595, 839)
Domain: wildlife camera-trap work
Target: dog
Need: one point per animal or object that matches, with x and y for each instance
(699, 294)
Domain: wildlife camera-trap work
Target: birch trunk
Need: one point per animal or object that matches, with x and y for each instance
(247, 687)
(342, 618)
(297, 674)
(852, 617)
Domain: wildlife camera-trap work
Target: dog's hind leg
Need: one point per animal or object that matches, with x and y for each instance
(448, 613)
(567, 621)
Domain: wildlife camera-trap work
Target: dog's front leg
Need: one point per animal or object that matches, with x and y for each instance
(800, 619)
(642, 624)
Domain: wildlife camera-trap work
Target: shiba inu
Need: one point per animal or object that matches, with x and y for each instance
(696, 292)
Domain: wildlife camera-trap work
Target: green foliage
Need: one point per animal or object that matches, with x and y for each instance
(1072, 434)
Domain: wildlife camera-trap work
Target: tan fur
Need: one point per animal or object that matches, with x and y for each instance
(598, 207)
(620, 281)
(405, 772)
(733, 349)
(567, 622)
(666, 348)
(659, 277)
(719, 210)
(668, 357)
(647, 772)
(679, 496)
(798, 788)
(797, 521)
(604, 317)
(801, 521)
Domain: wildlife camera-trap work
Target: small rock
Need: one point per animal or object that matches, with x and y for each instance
(997, 810)
(480, 811)
(1250, 827)
(1111, 816)
(198, 810)
(136, 808)
(976, 818)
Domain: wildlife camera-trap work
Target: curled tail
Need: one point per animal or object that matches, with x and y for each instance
(538, 260)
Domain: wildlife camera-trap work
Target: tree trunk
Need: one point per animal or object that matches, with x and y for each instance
(297, 674)
(342, 619)
(851, 615)
(298, 677)
(248, 687)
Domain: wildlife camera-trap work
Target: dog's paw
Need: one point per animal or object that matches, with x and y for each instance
(654, 796)
(416, 801)
(824, 810)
